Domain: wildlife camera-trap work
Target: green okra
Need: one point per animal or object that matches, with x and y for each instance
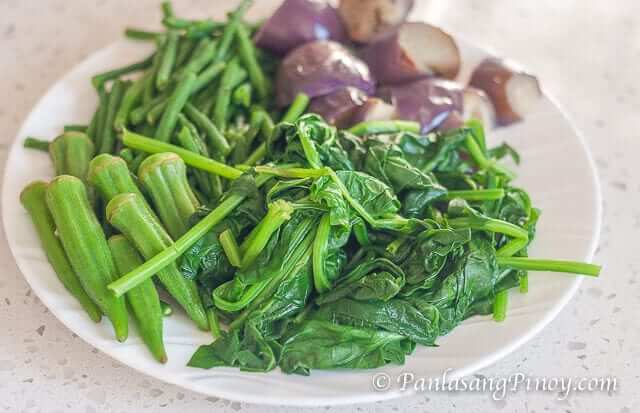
(71, 153)
(164, 177)
(86, 247)
(130, 214)
(143, 300)
(110, 176)
(33, 199)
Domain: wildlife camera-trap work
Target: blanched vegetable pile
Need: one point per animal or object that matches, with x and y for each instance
(298, 244)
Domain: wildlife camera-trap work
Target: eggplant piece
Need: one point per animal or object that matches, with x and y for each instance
(414, 51)
(320, 68)
(454, 120)
(297, 22)
(477, 105)
(512, 91)
(428, 101)
(366, 20)
(338, 108)
(374, 109)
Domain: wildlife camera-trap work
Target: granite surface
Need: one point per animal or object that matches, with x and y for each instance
(588, 55)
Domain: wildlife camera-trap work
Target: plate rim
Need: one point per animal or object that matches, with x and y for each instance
(373, 396)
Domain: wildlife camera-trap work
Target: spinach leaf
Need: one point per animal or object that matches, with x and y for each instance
(325, 345)
(377, 279)
(396, 316)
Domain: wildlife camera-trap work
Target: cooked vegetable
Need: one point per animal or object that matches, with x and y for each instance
(36, 143)
(164, 177)
(110, 176)
(323, 247)
(107, 136)
(143, 300)
(512, 91)
(370, 19)
(33, 199)
(71, 153)
(339, 108)
(477, 105)
(320, 68)
(130, 214)
(86, 247)
(297, 22)
(427, 101)
(374, 109)
(415, 50)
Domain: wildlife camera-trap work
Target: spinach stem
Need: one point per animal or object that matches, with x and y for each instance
(230, 247)
(490, 224)
(136, 141)
(534, 264)
(319, 254)
(500, 303)
(297, 108)
(478, 156)
(170, 254)
(376, 127)
(476, 195)
(279, 212)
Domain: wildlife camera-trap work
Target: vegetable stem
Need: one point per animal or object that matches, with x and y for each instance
(490, 224)
(170, 254)
(279, 212)
(500, 305)
(230, 247)
(297, 108)
(35, 143)
(136, 141)
(376, 127)
(533, 264)
(476, 195)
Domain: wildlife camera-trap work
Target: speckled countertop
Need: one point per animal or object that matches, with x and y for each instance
(588, 55)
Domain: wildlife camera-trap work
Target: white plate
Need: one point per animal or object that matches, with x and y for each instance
(556, 169)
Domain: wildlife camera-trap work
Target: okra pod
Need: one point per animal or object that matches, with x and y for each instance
(86, 247)
(132, 217)
(164, 176)
(110, 176)
(33, 199)
(71, 153)
(143, 300)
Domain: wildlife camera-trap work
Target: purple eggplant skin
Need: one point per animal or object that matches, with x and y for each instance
(320, 68)
(339, 108)
(297, 22)
(415, 50)
(428, 101)
(367, 20)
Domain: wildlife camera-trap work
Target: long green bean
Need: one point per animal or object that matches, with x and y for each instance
(108, 140)
(174, 106)
(168, 61)
(216, 139)
(100, 79)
